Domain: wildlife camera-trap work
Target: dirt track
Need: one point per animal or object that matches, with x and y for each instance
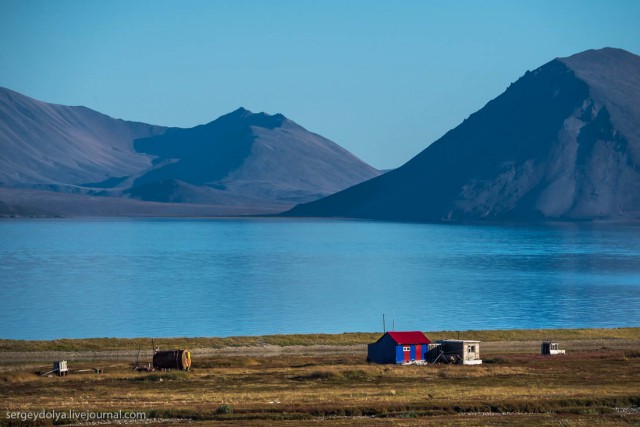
(497, 347)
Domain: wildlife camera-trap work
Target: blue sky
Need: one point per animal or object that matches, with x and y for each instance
(383, 79)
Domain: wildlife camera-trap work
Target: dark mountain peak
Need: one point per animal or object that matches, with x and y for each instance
(613, 77)
(605, 66)
(562, 142)
(244, 118)
(247, 153)
(606, 54)
(240, 112)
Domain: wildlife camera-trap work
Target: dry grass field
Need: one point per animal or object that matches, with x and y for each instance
(325, 380)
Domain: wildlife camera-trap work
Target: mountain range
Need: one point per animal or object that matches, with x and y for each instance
(75, 161)
(561, 143)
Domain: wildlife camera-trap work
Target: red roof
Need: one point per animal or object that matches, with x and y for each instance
(412, 337)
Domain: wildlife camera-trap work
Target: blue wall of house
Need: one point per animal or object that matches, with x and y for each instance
(382, 351)
(399, 354)
(412, 352)
(386, 350)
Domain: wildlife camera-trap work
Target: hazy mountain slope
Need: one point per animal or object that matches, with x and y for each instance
(31, 203)
(561, 143)
(12, 211)
(257, 156)
(44, 143)
(242, 163)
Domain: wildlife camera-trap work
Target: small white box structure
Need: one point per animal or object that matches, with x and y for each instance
(462, 352)
(61, 367)
(550, 348)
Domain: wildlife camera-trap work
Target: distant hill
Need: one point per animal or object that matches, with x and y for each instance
(44, 143)
(256, 156)
(76, 161)
(561, 143)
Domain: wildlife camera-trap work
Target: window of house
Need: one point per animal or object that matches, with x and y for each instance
(406, 348)
(471, 349)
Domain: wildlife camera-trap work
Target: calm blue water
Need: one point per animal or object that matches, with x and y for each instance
(176, 277)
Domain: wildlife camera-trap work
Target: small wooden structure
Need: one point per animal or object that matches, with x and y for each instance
(59, 367)
(172, 359)
(550, 348)
(462, 352)
(142, 366)
(399, 347)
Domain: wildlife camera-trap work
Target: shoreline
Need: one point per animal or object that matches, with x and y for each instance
(494, 341)
(488, 347)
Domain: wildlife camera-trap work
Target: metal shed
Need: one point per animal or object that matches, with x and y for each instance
(399, 348)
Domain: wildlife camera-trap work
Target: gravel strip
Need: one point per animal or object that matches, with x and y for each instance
(131, 355)
(267, 350)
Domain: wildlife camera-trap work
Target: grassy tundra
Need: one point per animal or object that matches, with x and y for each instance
(324, 379)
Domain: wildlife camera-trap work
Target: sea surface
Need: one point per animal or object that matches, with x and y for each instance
(221, 277)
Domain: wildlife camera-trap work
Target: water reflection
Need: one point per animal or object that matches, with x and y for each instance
(84, 278)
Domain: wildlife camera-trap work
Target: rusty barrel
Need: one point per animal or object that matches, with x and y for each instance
(172, 359)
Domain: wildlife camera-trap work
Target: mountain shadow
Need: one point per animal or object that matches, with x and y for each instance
(561, 143)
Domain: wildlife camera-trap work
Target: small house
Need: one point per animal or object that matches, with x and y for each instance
(550, 348)
(399, 348)
(463, 352)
